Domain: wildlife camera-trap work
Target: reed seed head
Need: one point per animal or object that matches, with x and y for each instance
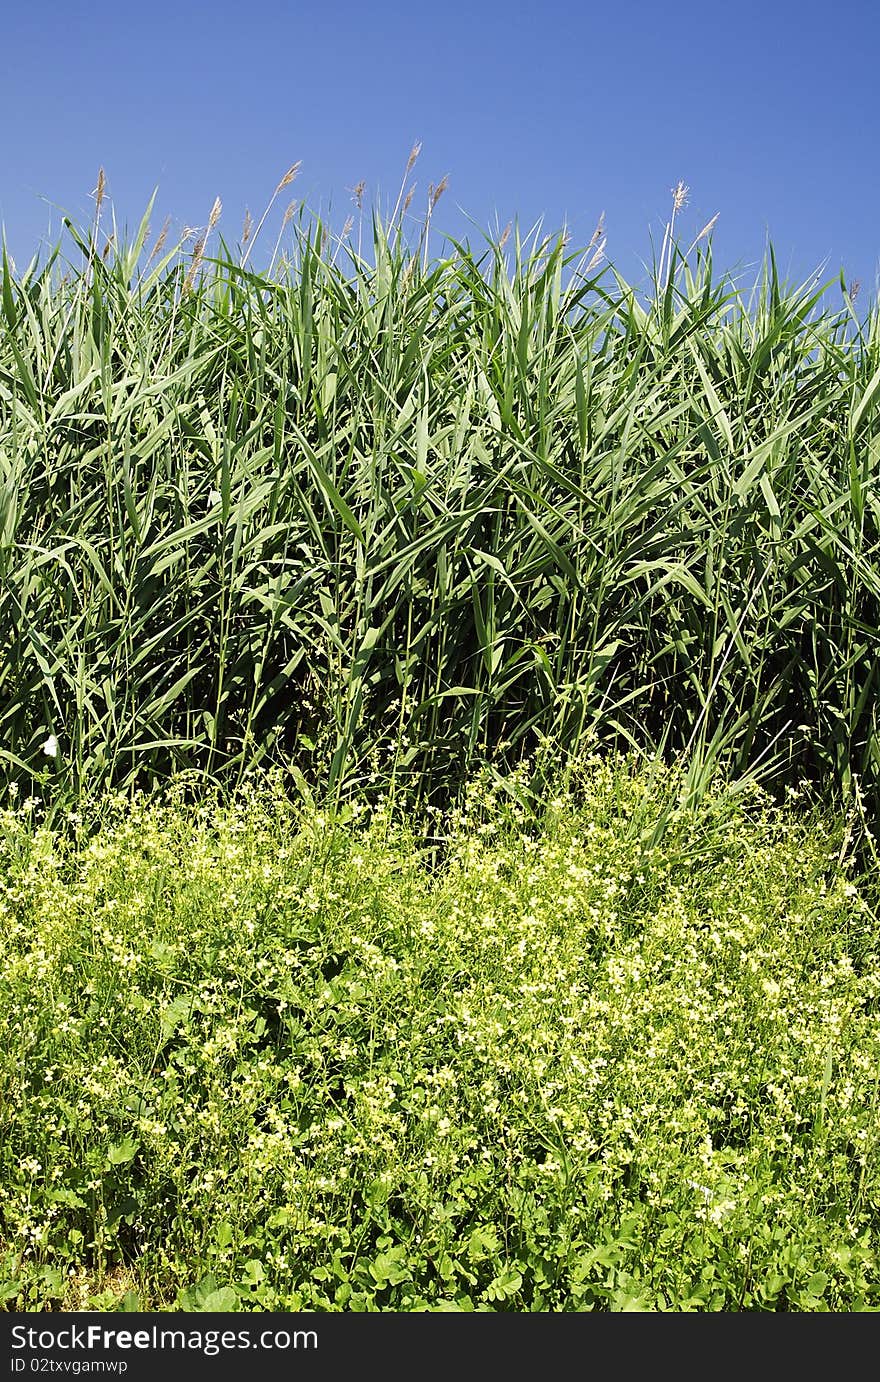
(288, 177)
(198, 251)
(436, 193)
(707, 227)
(160, 242)
(597, 257)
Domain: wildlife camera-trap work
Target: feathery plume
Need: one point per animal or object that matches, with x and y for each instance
(160, 243)
(413, 155)
(288, 178)
(706, 228)
(599, 232)
(199, 246)
(435, 193)
(597, 257)
(679, 199)
(198, 251)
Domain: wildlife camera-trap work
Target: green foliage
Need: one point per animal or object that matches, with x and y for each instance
(522, 1059)
(425, 512)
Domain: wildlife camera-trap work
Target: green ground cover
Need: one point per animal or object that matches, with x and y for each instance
(518, 1058)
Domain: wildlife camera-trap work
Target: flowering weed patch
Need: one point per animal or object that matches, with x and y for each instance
(251, 1058)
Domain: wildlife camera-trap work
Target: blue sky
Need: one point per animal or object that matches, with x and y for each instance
(767, 111)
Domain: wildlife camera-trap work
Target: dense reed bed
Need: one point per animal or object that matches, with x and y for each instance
(378, 510)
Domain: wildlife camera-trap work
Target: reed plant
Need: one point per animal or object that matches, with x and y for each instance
(382, 510)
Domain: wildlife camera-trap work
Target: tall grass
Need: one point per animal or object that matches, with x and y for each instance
(402, 512)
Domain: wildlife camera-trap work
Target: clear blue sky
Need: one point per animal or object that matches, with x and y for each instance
(768, 111)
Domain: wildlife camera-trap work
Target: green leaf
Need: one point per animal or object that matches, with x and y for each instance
(222, 1302)
(389, 1268)
(122, 1152)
